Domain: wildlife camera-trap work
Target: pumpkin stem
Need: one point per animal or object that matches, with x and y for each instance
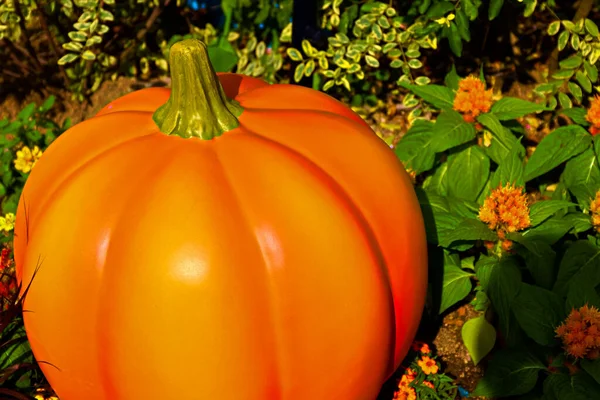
(198, 106)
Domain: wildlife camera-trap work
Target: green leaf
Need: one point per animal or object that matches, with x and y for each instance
(414, 149)
(539, 259)
(572, 62)
(538, 312)
(454, 39)
(577, 114)
(549, 231)
(559, 146)
(564, 100)
(584, 81)
(88, 55)
(471, 9)
(511, 108)
(575, 91)
(553, 28)
(479, 337)
(456, 286)
(504, 285)
(438, 182)
(299, 72)
(581, 254)
(510, 170)
(591, 71)
(451, 79)
(503, 142)
(436, 95)
(542, 210)
(592, 368)
(509, 373)
(591, 27)
(563, 39)
(68, 58)
(462, 22)
(451, 130)
(571, 387)
(581, 222)
(494, 8)
(439, 9)
(582, 175)
(463, 229)
(294, 54)
(223, 56)
(468, 173)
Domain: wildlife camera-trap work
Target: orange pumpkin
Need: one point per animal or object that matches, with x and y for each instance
(220, 241)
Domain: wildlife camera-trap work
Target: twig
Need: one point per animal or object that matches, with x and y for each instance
(53, 44)
(28, 45)
(142, 32)
(13, 50)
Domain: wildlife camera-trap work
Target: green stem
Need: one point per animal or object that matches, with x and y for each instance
(198, 106)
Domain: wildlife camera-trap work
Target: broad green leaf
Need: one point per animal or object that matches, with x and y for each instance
(438, 182)
(581, 254)
(504, 285)
(454, 39)
(510, 170)
(222, 56)
(509, 373)
(451, 79)
(549, 231)
(451, 130)
(455, 287)
(479, 337)
(559, 146)
(494, 8)
(462, 22)
(577, 114)
(464, 229)
(582, 175)
(539, 260)
(539, 312)
(544, 209)
(511, 108)
(564, 100)
(592, 368)
(436, 95)
(468, 173)
(571, 387)
(414, 149)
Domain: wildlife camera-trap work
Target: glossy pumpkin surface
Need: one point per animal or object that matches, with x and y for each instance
(284, 259)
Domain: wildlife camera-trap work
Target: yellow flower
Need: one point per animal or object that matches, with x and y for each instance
(26, 158)
(506, 210)
(428, 365)
(7, 223)
(445, 20)
(593, 115)
(471, 98)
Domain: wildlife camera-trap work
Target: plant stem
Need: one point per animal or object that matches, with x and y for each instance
(28, 44)
(52, 40)
(198, 106)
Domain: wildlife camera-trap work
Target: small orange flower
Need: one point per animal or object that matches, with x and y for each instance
(595, 209)
(471, 98)
(429, 384)
(580, 333)
(593, 115)
(505, 210)
(428, 365)
(425, 349)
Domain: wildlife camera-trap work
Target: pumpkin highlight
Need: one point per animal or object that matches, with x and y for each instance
(224, 239)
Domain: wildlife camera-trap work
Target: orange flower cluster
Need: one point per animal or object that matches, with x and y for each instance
(595, 211)
(505, 210)
(580, 333)
(405, 392)
(471, 98)
(593, 115)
